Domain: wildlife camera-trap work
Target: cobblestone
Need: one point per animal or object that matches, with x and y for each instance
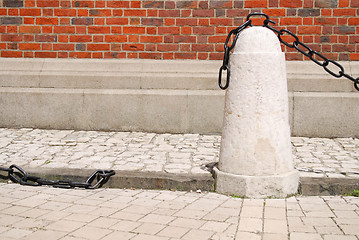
(150, 152)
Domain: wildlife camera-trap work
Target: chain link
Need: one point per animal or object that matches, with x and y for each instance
(301, 47)
(18, 175)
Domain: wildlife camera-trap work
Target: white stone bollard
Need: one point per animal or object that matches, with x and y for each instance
(255, 156)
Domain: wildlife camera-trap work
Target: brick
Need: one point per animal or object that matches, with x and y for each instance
(45, 54)
(203, 30)
(63, 47)
(44, 4)
(237, 12)
(185, 55)
(100, 12)
(47, 21)
(309, 30)
(344, 12)
(344, 30)
(80, 38)
(139, 13)
(221, 21)
(13, 3)
(256, 4)
(98, 29)
(186, 4)
(220, 4)
(325, 21)
(16, 54)
(153, 4)
(116, 21)
(82, 21)
(169, 13)
(168, 30)
(11, 20)
(184, 39)
(29, 46)
(152, 21)
(151, 39)
(202, 47)
(45, 38)
(354, 4)
(115, 38)
(30, 12)
(186, 21)
(133, 47)
(291, 3)
(83, 4)
(203, 13)
(326, 3)
(150, 55)
(11, 38)
(29, 29)
(290, 21)
(308, 12)
(274, 12)
(167, 47)
(98, 47)
(118, 4)
(64, 29)
(134, 30)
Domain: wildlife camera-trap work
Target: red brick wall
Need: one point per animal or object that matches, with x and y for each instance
(167, 29)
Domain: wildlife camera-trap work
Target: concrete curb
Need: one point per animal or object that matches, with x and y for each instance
(190, 182)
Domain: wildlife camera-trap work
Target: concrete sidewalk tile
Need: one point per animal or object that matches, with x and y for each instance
(275, 226)
(339, 237)
(329, 230)
(347, 221)
(91, 233)
(306, 236)
(149, 228)
(117, 235)
(15, 234)
(247, 236)
(346, 214)
(274, 213)
(187, 223)
(155, 218)
(124, 225)
(274, 236)
(148, 237)
(173, 232)
(250, 225)
(79, 217)
(103, 222)
(190, 213)
(251, 212)
(127, 216)
(319, 222)
(45, 234)
(198, 234)
(215, 226)
(65, 225)
(350, 229)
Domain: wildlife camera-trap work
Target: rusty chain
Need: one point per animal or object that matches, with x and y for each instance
(18, 175)
(301, 47)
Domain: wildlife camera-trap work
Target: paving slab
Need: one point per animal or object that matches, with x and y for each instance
(167, 161)
(109, 213)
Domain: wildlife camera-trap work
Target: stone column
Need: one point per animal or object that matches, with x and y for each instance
(256, 157)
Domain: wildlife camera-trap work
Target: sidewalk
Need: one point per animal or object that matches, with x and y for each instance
(167, 161)
(39, 213)
(148, 159)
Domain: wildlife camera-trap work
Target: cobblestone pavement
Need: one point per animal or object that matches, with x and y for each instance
(150, 152)
(40, 213)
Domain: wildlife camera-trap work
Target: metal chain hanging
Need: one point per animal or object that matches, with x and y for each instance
(18, 175)
(298, 45)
